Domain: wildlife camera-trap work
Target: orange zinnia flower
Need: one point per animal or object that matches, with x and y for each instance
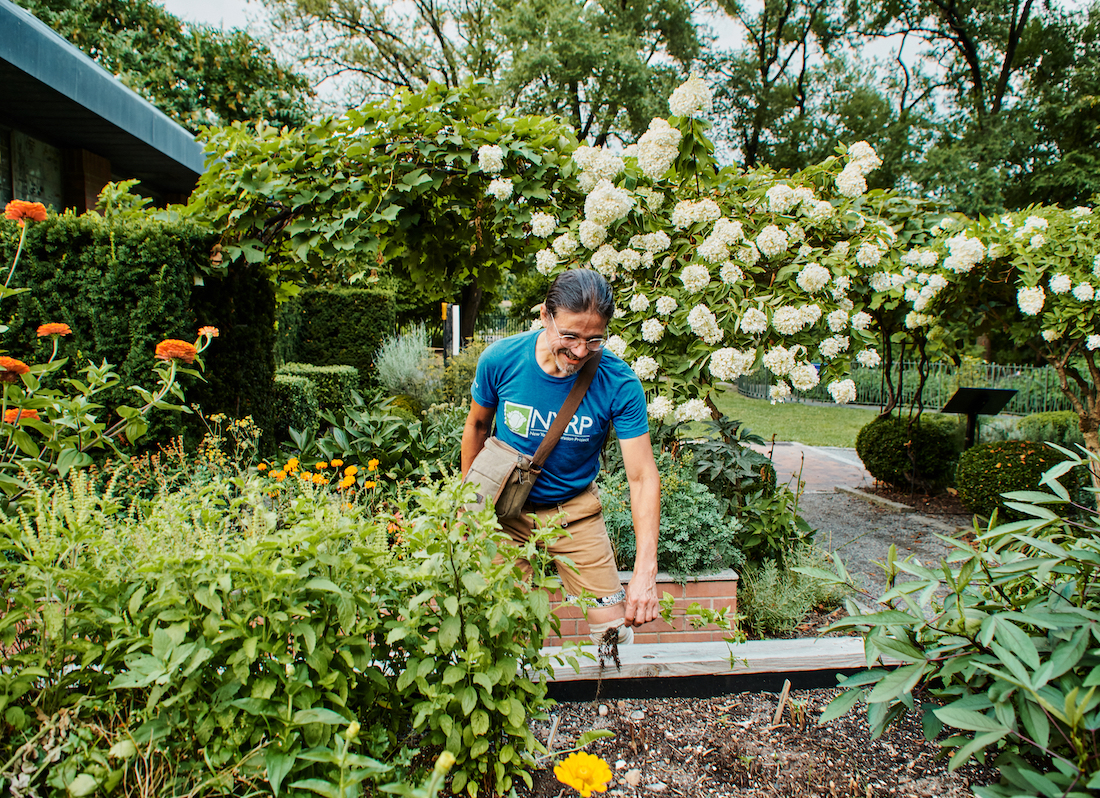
(12, 368)
(18, 210)
(209, 331)
(11, 416)
(54, 328)
(175, 349)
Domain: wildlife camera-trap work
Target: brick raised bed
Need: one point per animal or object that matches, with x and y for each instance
(712, 591)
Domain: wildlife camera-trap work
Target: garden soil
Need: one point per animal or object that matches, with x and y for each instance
(734, 745)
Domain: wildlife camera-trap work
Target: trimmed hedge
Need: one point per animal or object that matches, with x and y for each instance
(296, 405)
(123, 287)
(334, 384)
(1056, 426)
(989, 469)
(336, 327)
(885, 444)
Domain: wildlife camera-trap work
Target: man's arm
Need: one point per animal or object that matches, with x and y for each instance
(478, 423)
(645, 507)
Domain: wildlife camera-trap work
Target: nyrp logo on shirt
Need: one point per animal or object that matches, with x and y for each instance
(523, 420)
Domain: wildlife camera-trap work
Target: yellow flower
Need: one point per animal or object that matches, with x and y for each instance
(292, 464)
(305, 477)
(336, 463)
(584, 772)
(372, 465)
(320, 479)
(321, 466)
(279, 476)
(351, 471)
(346, 482)
(368, 484)
(262, 467)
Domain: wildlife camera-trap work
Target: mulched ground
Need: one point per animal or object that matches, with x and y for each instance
(941, 506)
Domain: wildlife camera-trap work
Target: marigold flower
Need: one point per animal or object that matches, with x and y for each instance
(175, 349)
(372, 465)
(279, 476)
(336, 463)
(262, 467)
(584, 772)
(15, 414)
(320, 479)
(54, 328)
(321, 466)
(208, 331)
(18, 210)
(291, 464)
(12, 368)
(368, 484)
(346, 482)
(351, 471)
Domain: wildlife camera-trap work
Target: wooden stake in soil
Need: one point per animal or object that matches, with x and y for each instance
(782, 701)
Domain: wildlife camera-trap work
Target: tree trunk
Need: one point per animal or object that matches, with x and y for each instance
(470, 303)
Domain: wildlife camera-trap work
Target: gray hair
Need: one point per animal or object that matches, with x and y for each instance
(581, 291)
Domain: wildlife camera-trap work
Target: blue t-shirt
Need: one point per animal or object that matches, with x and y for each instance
(527, 399)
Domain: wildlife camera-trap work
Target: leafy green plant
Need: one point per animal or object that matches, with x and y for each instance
(773, 598)
(770, 524)
(695, 537)
(921, 455)
(988, 470)
(1009, 657)
(1055, 426)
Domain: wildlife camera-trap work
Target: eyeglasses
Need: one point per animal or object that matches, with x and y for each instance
(593, 344)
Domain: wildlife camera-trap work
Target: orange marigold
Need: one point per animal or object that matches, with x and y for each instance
(18, 210)
(12, 368)
(54, 328)
(175, 349)
(210, 332)
(11, 416)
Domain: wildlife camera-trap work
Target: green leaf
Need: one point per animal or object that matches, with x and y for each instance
(318, 715)
(841, 705)
(1013, 638)
(897, 683)
(84, 784)
(448, 633)
(901, 649)
(278, 765)
(969, 720)
(319, 786)
(977, 744)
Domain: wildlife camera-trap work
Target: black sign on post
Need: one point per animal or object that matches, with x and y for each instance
(974, 402)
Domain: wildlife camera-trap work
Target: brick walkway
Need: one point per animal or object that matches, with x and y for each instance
(822, 468)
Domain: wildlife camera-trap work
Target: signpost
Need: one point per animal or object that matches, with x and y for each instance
(973, 402)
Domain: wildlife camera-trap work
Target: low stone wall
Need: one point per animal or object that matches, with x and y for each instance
(713, 591)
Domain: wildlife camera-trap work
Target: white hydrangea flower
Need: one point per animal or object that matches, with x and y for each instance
(804, 376)
(781, 198)
(966, 253)
(606, 204)
(604, 261)
(869, 359)
(779, 360)
(805, 251)
(1084, 292)
(686, 213)
(731, 273)
(729, 364)
(693, 410)
(837, 321)
(754, 322)
(501, 188)
(796, 233)
(728, 231)
(841, 284)
(639, 303)
(543, 224)
(660, 407)
(817, 210)
(813, 277)
(1092, 343)
(810, 314)
(691, 98)
(490, 158)
(653, 198)
(658, 148)
(1030, 300)
(881, 281)
(1060, 283)
(615, 345)
(840, 248)
(1037, 241)
(843, 391)
(779, 392)
(652, 330)
(695, 277)
(850, 182)
(1051, 335)
(619, 313)
(862, 156)
(928, 259)
(592, 234)
(787, 320)
(833, 346)
(597, 163)
(911, 258)
(1081, 211)
(704, 323)
(713, 250)
(651, 242)
(665, 305)
(868, 255)
(536, 324)
(772, 241)
(913, 320)
(1032, 224)
(564, 245)
(645, 367)
(545, 261)
(748, 255)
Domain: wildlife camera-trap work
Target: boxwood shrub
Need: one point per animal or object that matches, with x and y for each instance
(334, 384)
(987, 470)
(1055, 426)
(295, 406)
(921, 457)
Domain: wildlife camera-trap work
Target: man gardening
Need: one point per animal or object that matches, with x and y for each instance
(521, 383)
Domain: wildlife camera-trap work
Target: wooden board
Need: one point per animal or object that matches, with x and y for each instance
(715, 659)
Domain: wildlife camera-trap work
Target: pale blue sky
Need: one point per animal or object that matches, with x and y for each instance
(218, 13)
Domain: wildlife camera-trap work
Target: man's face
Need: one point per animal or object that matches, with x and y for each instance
(567, 336)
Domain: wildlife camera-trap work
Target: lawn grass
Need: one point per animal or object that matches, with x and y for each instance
(814, 425)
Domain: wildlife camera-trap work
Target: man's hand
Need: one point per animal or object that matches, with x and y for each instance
(642, 605)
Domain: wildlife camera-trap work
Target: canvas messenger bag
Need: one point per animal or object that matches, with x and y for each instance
(503, 475)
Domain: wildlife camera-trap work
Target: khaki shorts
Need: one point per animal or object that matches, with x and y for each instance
(585, 543)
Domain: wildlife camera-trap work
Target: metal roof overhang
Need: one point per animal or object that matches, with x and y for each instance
(52, 91)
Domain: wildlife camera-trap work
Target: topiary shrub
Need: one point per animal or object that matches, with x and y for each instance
(885, 445)
(295, 406)
(989, 469)
(334, 384)
(1055, 426)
